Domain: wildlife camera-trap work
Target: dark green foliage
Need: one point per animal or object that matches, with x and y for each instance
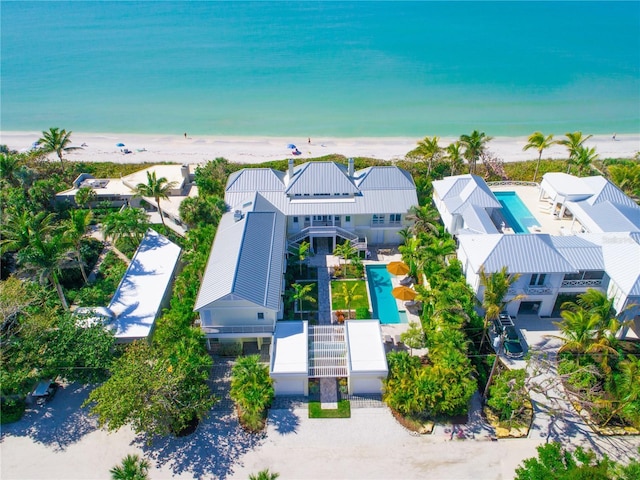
(252, 391)
(362, 313)
(202, 210)
(11, 410)
(554, 462)
(507, 394)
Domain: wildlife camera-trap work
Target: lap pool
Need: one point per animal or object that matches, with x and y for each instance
(383, 303)
(516, 212)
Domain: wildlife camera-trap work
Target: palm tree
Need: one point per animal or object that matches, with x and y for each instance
(349, 295)
(627, 386)
(47, 257)
(585, 156)
(155, 188)
(9, 165)
(429, 150)
(84, 196)
(264, 475)
(627, 177)
(300, 293)
(56, 140)
(540, 142)
(455, 156)
(130, 223)
(76, 228)
(579, 330)
(494, 299)
(19, 229)
(301, 253)
(573, 142)
(474, 146)
(425, 219)
(251, 389)
(132, 468)
(346, 251)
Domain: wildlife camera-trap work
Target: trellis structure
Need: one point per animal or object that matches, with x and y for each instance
(327, 351)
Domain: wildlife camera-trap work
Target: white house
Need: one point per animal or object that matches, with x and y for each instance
(597, 245)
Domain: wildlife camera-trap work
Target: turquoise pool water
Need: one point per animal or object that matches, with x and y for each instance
(516, 212)
(383, 303)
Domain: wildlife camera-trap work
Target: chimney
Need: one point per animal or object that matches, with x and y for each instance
(351, 168)
(184, 171)
(237, 215)
(290, 169)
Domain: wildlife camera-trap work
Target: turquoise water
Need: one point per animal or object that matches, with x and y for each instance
(321, 68)
(384, 304)
(516, 212)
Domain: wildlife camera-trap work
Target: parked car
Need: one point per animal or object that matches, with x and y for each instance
(512, 345)
(44, 391)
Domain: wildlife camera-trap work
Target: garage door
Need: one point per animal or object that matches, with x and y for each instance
(289, 386)
(366, 385)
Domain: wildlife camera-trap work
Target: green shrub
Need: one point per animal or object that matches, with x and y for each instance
(11, 410)
(362, 313)
(507, 395)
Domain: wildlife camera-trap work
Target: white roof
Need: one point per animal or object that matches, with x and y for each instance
(290, 348)
(565, 185)
(365, 347)
(621, 252)
(605, 216)
(527, 253)
(246, 259)
(173, 173)
(460, 191)
(139, 296)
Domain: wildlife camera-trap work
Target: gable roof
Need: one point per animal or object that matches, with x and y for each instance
(383, 178)
(255, 180)
(534, 253)
(460, 191)
(621, 253)
(606, 216)
(579, 252)
(246, 259)
(320, 178)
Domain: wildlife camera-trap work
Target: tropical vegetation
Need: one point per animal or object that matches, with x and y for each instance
(132, 468)
(252, 391)
(156, 188)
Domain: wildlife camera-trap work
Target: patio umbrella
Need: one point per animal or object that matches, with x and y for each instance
(291, 146)
(120, 145)
(398, 268)
(404, 293)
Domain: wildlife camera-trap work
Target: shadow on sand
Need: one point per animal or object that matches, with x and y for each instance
(58, 423)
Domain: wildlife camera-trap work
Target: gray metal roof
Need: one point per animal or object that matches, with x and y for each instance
(255, 180)
(477, 220)
(579, 252)
(605, 216)
(321, 178)
(462, 190)
(384, 178)
(604, 190)
(246, 259)
(621, 252)
(519, 253)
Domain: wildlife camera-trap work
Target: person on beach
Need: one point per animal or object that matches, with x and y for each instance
(309, 140)
(185, 135)
(614, 137)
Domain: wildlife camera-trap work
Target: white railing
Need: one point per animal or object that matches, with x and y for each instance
(506, 183)
(582, 283)
(539, 290)
(237, 329)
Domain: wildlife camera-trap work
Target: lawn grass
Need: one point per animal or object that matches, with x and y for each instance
(337, 301)
(343, 410)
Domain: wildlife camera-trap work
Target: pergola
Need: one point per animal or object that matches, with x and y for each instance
(327, 351)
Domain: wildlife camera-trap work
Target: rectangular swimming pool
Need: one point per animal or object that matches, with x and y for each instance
(516, 212)
(383, 303)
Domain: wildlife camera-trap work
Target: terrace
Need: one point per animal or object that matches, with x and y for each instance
(540, 209)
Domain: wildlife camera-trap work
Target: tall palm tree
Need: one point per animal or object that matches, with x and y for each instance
(346, 251)
(47, 257)
(455, 156)
(474, 146)
(75, 229)
(300, 253)
(155, 188)
(494, 299)
(84, 196)
(349, 295)
(573, 142)
(132, 468)
(56, 140)
(579, 330)
(585, 156)
(130, 223)
(301, 293)
(540, 142)
(429, 150)
(425, 219)
(20, 229)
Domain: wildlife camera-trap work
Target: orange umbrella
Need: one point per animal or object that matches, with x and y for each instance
(398, 268)
(404, 293)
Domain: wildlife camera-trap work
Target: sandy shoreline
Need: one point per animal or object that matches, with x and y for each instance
(197, 149)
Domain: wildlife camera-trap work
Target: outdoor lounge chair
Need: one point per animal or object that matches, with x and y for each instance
(406, 281)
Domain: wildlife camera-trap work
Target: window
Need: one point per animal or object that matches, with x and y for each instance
(378, 218)
(537, 279)
(260, 315)
(295, 219)
(347, 218)
(395, 218)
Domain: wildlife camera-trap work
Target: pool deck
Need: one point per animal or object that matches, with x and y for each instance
(540, 210)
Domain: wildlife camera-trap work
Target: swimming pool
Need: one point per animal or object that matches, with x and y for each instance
(516, 212)
(383, 303)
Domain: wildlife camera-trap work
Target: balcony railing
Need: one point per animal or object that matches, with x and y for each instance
(248, 329)
(582, 283)
(539, 290)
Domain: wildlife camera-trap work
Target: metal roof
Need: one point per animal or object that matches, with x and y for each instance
(139, 295)
(384, 178)
(319, 178)
(255, 180)
(290, 349)
(366, 349)
(579, 252)
(477, 220)
(605, 191)
(605, 216)
(533, 253)
(246, 259)
(621, 252)
(460, 191)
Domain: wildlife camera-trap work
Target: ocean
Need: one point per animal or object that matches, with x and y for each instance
(344, 69)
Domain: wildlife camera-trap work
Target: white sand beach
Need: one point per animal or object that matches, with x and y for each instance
(197, 149)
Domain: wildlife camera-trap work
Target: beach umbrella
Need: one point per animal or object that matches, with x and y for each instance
(404, 293)
(398, 268)
(291, 146)
(120, 145)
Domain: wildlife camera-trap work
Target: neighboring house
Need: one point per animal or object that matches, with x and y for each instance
(120, 191)
(143, 291)
(600, 248)
(241, 296)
